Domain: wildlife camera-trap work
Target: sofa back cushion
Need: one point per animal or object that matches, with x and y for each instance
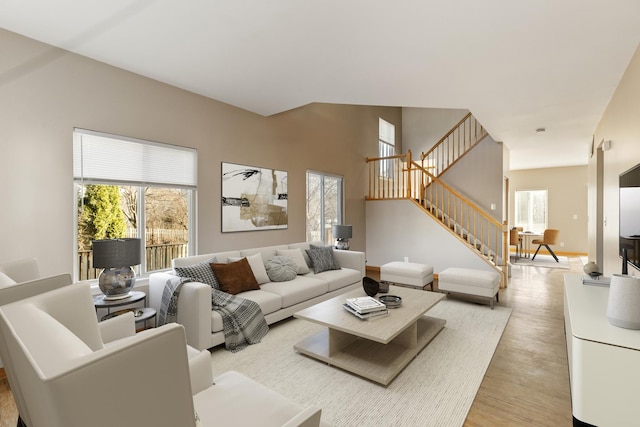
(266, 252)
(303, 247)
(196, 259)
(297, 256)
(257, 266)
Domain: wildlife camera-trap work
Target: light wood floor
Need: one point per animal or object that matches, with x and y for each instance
(527, 382)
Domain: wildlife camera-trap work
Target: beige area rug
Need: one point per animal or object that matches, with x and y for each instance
(436, 389)
(543, 261)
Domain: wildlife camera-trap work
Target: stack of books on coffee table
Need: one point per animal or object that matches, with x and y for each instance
(365, 307)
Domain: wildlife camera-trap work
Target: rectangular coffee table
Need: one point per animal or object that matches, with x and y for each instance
(378, 348)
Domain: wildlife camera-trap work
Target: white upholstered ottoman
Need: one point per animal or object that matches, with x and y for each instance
(407, 273)
(470, 282)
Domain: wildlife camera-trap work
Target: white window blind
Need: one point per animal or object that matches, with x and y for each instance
(109, 158)
(387, 132)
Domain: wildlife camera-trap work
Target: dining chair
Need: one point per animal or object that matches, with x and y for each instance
(515, 240)
(550, 237)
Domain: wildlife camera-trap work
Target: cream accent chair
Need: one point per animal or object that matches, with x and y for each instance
(19, 271)
(69, 378)
(111, 330)
(15, 292)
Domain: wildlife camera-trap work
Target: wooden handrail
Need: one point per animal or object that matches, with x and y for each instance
(446, 135)
(388, 177)
(456, 193)
(395, 156)
(457, 142)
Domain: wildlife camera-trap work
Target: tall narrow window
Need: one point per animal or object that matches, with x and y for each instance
(324, 205)
(386, 146)
(127, 187)
(531, 210)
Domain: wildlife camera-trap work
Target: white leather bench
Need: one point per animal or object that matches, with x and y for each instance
(407, 273)
(470, 282)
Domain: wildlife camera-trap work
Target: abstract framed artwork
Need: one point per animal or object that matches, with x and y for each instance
(253, 198)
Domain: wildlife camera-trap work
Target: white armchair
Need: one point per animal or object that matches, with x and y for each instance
(21, 270)
(110, 332)
(69, 378)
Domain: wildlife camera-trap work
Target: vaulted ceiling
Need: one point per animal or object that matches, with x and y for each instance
(516, 65)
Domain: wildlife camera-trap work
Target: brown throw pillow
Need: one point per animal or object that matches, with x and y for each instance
(235, 277)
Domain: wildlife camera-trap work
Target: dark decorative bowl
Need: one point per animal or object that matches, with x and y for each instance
(371, 287)
(391, 301)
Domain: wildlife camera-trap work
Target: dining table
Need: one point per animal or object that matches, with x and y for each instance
(527, 237)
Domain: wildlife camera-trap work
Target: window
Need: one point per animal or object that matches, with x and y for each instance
(324, 205)
(531, 210)
(386, 146)
(127, 187)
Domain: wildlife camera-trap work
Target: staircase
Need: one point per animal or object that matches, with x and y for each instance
(400, 177)
(453, 146)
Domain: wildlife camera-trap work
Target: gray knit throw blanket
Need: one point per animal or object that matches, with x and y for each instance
(242, 319)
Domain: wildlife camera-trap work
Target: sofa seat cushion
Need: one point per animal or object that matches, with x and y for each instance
(302, 288)
(269, 302)
(338, 279)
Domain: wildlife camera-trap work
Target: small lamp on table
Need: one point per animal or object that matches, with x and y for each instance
(116, 256)
(342, 234)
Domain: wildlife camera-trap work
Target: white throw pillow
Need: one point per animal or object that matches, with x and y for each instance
(296, 255)
(257, 266)
(6, 281)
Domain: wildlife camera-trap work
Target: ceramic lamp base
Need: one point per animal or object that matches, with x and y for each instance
(342, 244)
(115, 283)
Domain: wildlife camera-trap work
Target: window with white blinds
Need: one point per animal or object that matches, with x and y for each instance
(127, 187)
(110, 158)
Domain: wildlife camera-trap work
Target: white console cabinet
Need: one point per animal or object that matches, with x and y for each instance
(604, 360)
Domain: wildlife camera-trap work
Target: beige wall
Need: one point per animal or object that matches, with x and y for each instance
(423, 127)
(46, 92)
(567, 197)
(621, 126)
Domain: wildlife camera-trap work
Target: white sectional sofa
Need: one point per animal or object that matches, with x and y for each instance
(278, 300)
